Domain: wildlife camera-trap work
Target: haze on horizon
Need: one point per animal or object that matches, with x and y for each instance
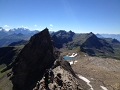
(80, 16)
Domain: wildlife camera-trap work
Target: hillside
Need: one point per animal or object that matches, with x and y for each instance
(4, 41)
(7, 56)
(116, 45)
(21, 42)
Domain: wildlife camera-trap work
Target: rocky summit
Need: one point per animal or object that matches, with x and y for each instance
(29, 66)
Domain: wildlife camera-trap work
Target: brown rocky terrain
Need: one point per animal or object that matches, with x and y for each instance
(101, 72)
(69, 80)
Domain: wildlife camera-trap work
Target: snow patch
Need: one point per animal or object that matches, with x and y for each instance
(72, 62)
(86, 80)
(104, 88)
(73, 55)
(75, 62)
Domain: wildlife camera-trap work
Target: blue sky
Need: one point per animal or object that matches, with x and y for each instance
(81, 16)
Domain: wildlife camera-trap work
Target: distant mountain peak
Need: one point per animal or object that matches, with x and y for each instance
(115, 41)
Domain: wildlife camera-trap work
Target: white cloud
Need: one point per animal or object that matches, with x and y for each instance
(26, 27)
(51, 25)
(35, 25)
(6, 26)
(7, 29)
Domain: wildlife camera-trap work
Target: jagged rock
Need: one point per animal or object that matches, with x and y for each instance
(64, 64)
(37, 55)
(68, 80)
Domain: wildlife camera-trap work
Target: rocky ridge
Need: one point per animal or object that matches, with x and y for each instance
(37, 55)
(68, 77)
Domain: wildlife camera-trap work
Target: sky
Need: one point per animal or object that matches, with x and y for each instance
(80, 16)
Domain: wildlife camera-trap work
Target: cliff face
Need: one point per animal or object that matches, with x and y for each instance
(37, 55)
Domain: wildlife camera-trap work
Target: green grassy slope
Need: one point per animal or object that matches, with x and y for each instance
(90, 44)
(7, 56)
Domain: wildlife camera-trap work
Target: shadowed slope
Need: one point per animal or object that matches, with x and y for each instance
(37, 55)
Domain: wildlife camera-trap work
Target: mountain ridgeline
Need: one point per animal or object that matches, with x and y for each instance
(88, 43)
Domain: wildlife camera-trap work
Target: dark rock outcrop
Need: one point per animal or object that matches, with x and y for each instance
(37, 55)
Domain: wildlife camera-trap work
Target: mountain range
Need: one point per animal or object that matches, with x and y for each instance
(17, 34)
(113, 36)
(90, 43)
(24, 62)
(17, 31)
(87, 42)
